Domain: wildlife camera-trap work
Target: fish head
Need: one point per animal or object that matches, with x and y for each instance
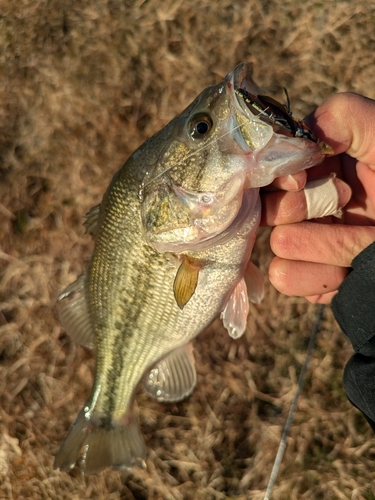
(208, 156)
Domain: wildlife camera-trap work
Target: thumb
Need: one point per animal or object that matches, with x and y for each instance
(346, 121)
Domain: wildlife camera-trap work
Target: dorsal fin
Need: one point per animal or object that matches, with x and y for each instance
(91, 221)
(185, 282)
(74, 313)
(173, 378)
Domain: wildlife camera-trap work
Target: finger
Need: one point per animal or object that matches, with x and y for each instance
(361, 209)
(292, 182)
(287, 207)
(325, 298)
(331, 244)
(346, 122)
(305, 278)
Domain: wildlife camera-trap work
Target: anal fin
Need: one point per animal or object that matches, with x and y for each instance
(74, 313)
(174, 377)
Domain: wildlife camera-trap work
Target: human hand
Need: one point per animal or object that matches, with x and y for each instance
(313, 258)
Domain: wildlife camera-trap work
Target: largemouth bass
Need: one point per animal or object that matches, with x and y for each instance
(173, 238)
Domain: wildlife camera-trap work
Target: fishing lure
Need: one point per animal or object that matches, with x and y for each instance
(276, 114)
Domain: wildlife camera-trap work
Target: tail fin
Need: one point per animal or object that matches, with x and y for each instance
(118, 445)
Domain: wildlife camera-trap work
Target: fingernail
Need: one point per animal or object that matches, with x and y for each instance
(344, 192)
(296, 181)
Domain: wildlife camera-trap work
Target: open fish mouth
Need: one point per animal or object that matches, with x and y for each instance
(242, 89)
(250, 97)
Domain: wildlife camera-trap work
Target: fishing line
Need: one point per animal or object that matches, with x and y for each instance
(293, 406)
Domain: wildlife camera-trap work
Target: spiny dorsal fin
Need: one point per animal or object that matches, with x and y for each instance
(185, 282)
(74, 313)
(174, 377)
(91, 221)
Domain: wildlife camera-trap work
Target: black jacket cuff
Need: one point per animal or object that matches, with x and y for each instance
(354, 304)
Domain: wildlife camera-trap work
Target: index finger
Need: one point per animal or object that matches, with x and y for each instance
(346, 121)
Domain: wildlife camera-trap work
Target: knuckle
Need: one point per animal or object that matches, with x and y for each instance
(283, 241)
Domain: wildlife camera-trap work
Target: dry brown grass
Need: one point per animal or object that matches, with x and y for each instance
(81, 85)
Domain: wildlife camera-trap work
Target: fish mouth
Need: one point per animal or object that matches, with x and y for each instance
(241, 78)
(266, 132)
(239, 84)
(250, 97)
(248, 129)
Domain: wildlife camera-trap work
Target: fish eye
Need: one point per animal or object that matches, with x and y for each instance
(200, 126)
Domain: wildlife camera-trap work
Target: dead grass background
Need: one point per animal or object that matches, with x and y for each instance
(82, 84)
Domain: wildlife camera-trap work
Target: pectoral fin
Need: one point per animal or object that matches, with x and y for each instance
(174, 377)
(236, 310)
(185, 282)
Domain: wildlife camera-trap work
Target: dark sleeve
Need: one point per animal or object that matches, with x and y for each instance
(354, 305)
(359, 385)
(354, 310)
